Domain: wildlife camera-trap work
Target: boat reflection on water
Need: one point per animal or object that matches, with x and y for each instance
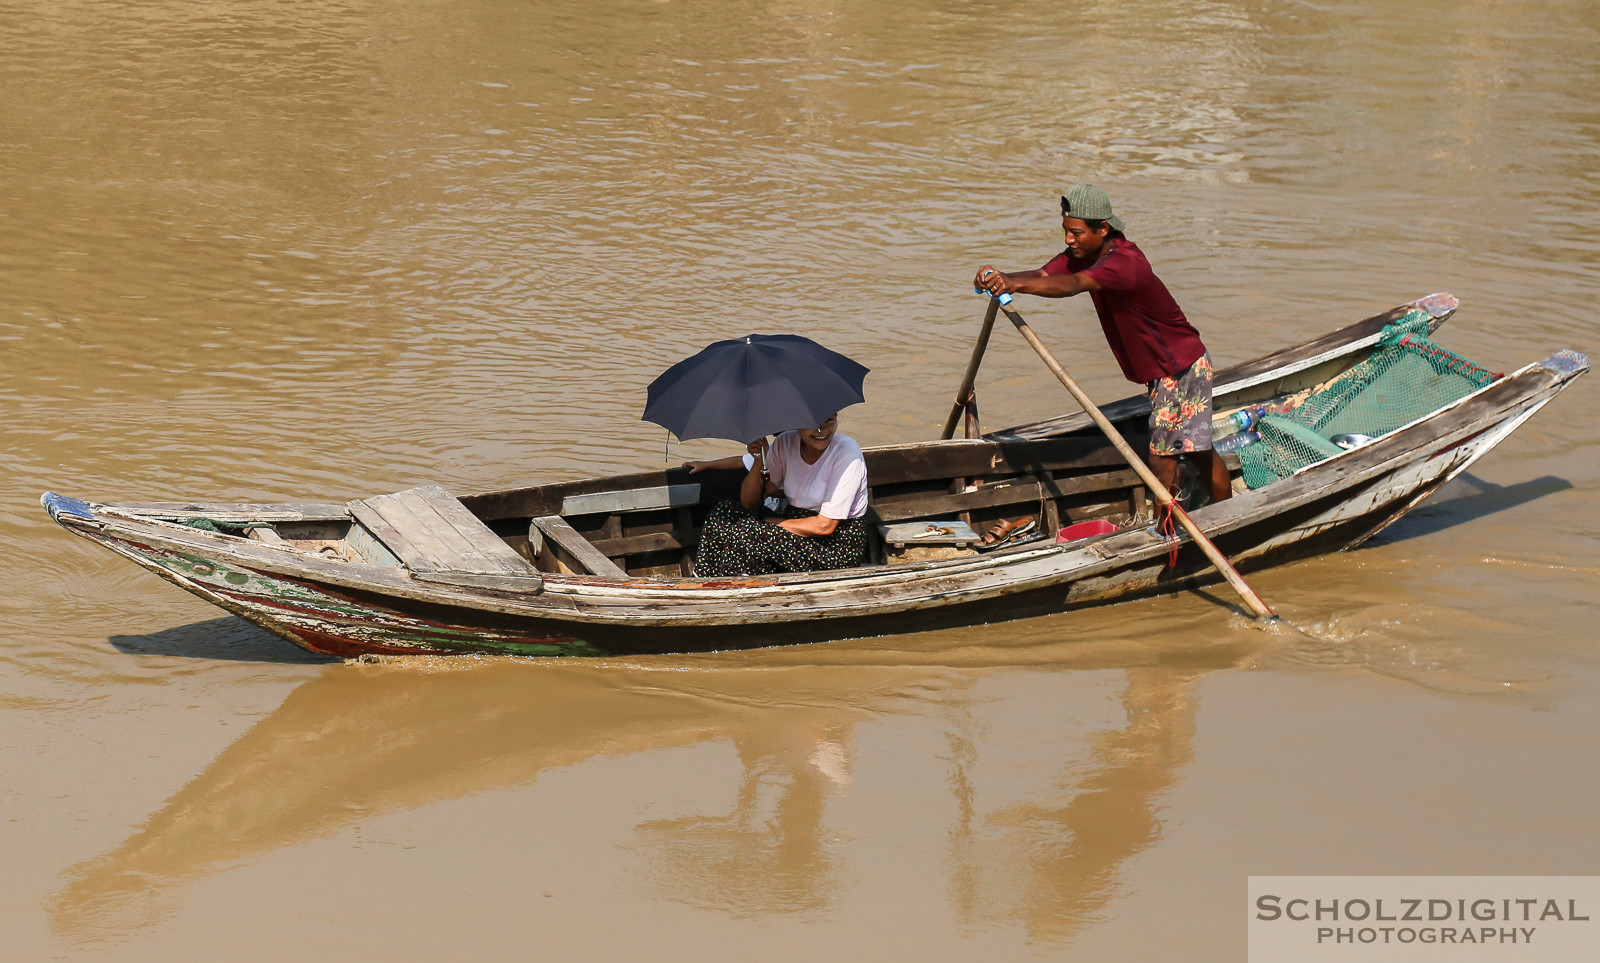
(771, 854)
(1052, 866)
(361, 742)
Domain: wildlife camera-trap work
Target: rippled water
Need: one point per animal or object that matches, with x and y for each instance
(321, 250)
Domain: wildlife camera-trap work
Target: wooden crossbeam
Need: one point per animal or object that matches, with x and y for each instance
(572, 549)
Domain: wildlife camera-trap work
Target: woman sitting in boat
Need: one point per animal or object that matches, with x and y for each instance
(823, 478)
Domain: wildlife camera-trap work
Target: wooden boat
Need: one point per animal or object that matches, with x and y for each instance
(603, 565)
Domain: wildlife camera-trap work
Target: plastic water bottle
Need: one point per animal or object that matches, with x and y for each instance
(1236, 441)
(1242, 420)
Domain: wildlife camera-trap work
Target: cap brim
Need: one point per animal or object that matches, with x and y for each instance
(1116, 224)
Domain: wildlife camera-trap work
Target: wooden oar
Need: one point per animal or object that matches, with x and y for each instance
(972, 368)
(1164, 497)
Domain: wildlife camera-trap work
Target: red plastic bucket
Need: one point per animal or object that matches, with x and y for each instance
(1081, 530)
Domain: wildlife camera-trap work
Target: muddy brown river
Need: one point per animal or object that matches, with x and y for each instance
(321, 250)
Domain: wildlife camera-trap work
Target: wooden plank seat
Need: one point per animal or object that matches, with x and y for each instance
(439, 540)
(574, 552)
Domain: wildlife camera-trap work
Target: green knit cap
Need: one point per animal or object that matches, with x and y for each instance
(1089, 203)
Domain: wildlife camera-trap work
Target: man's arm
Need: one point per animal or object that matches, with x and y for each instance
(1033, 282)
(1048, 285)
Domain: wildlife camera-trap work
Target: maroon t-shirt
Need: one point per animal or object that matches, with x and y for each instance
(1143, 324)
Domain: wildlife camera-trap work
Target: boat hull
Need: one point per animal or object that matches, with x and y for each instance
(1327, 508)
(367, 600)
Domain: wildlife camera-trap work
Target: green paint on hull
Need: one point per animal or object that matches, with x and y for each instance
(300, 610)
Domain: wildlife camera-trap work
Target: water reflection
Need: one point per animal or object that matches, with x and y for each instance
(768, 855)
(1052, 864)
(361, 742)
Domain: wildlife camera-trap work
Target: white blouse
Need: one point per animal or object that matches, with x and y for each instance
(835, 487)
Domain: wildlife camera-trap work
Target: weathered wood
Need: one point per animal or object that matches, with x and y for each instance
(580, 554)
(505, 583)
(929, 533)
(626, 500)
(432, 533)
(1051, 522)
(548, 499)
(239, 512)
(894, 508)
(265, 535)
(903, 507)
(386, 534)
(368, 548)
(680, 540)
(985, 458)
(436, 538)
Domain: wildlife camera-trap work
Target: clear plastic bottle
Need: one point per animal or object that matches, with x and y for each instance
(1236, 441)
(1242, 420)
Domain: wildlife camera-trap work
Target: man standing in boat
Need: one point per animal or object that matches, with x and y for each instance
(1148, 333)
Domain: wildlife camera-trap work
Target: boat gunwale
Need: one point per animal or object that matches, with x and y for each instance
(1120, 549)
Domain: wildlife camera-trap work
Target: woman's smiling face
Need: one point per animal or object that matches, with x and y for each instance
(817, 438)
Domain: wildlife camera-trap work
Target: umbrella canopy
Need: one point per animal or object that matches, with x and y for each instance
(748, 387)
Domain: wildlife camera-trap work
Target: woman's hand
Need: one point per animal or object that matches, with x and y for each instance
(752, 490)
(732, 461)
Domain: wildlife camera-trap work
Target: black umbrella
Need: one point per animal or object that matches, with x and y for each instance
(745, 388)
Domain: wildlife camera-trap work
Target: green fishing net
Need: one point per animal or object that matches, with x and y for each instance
(224, 528)
(1406, 376)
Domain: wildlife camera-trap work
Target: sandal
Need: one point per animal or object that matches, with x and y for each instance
(1006, 531)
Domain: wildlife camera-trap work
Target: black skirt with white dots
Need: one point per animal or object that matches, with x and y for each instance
(737, 541)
